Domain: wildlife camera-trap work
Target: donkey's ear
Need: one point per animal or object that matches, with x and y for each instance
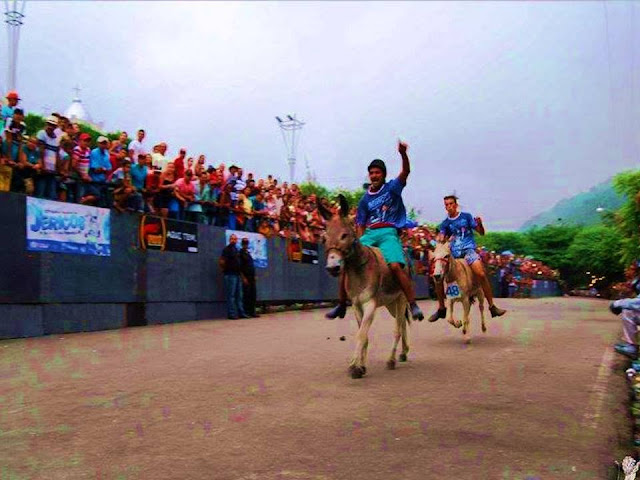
(344, 205)
(324, 212)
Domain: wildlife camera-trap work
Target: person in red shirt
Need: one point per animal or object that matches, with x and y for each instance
(178, 163)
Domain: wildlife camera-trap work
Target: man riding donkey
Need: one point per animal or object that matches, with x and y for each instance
(458, 228)
(381, 213)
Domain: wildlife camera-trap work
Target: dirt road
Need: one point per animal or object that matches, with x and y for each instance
(270, 398)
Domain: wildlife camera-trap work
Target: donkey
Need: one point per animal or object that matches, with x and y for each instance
(370, 284)
(465, 290)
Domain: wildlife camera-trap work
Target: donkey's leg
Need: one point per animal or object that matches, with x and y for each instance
(466, 304)
(404, 312)
(481, 308)
(456, 324)
(357, 366)
(394, 310)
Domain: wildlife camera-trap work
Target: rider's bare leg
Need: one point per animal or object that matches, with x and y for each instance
(407, 287)
(479, 272)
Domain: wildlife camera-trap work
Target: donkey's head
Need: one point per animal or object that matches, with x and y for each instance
(339, 238)
(440, 260)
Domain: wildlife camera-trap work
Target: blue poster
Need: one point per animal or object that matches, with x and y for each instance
(67, 228)
(257, 246)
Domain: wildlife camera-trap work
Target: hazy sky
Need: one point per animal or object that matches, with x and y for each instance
(512, 105)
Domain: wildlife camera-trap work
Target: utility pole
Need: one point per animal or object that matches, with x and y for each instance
(289, 128)
(14, 18)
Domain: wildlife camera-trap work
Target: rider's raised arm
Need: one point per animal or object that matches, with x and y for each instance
(406, 167)
(479, 226)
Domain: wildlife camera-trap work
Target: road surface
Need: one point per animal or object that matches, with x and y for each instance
(538, 396)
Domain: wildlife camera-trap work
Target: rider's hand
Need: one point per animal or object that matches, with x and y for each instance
(402, 147)
(615, 310)
(478, 220)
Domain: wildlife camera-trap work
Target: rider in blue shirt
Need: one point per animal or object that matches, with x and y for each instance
(458, 228)
(380, 214)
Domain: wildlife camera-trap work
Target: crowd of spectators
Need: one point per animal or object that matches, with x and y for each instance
(61, 163)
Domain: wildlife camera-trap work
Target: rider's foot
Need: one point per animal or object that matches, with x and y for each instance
(626, 349)
(496, 312)
(441, 313)
(339, 310)
(416, 313)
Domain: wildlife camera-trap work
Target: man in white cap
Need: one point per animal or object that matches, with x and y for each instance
(99, 166)
(46, 185)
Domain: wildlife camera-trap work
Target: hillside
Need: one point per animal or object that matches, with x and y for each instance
(580, 209)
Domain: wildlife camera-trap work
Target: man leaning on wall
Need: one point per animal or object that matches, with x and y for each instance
(230, 265)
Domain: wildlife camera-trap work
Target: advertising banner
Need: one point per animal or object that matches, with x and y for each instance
(157, 233)
(67, 228)
(257, 246)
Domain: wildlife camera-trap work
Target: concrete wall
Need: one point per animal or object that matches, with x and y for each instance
(50, 293)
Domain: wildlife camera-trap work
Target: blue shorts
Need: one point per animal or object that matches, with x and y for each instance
(469, 254)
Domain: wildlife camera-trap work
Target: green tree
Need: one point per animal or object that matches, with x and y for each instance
(627, 217)
(596, 250)
(549, 244)
(34, 123)
(500, 241)
(311, 188)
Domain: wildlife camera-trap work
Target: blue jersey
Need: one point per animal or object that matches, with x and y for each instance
(383, 208)
(460, 229)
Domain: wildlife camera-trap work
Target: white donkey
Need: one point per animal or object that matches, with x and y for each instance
(461, 285)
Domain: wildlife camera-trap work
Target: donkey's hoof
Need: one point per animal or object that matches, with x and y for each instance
(391, 364)
(357, 372)
(467, 341)
(402, 357)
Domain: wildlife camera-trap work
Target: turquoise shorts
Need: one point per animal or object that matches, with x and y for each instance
(387, 240)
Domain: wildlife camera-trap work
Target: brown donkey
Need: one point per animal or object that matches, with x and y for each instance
(370, 284)
(462, 285)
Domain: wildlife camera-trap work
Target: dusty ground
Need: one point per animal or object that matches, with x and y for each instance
(538, 396)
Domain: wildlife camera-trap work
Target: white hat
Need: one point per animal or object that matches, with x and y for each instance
(102, 139)
(52, 120)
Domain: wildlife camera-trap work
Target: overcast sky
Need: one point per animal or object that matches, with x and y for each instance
(514, 106)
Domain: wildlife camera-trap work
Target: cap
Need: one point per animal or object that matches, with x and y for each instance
(377, 163)
(85, 136)
(102, 139)
(52, 120)
(13, 95)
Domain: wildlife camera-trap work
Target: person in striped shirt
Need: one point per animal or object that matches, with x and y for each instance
(80, 167)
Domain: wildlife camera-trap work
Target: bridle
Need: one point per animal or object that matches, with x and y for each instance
(345, 253)
(444, 260)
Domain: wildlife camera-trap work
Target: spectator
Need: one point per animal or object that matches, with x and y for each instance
(159, 160)
(80, 170)
(164, 198)
(185, 193)
(225, 205)
(32, 165)
(65, 185)
(99, 166)
(230, 265)
(248, 274)
(7, 110)
(209, 197)
(139, 172)
(630, 309)
(12, 149)
(190, 163)
(178, 163)
(195, 211)
(46, 185)
(152, 187)
(126, 195)
(200, 166)
(137, 147)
